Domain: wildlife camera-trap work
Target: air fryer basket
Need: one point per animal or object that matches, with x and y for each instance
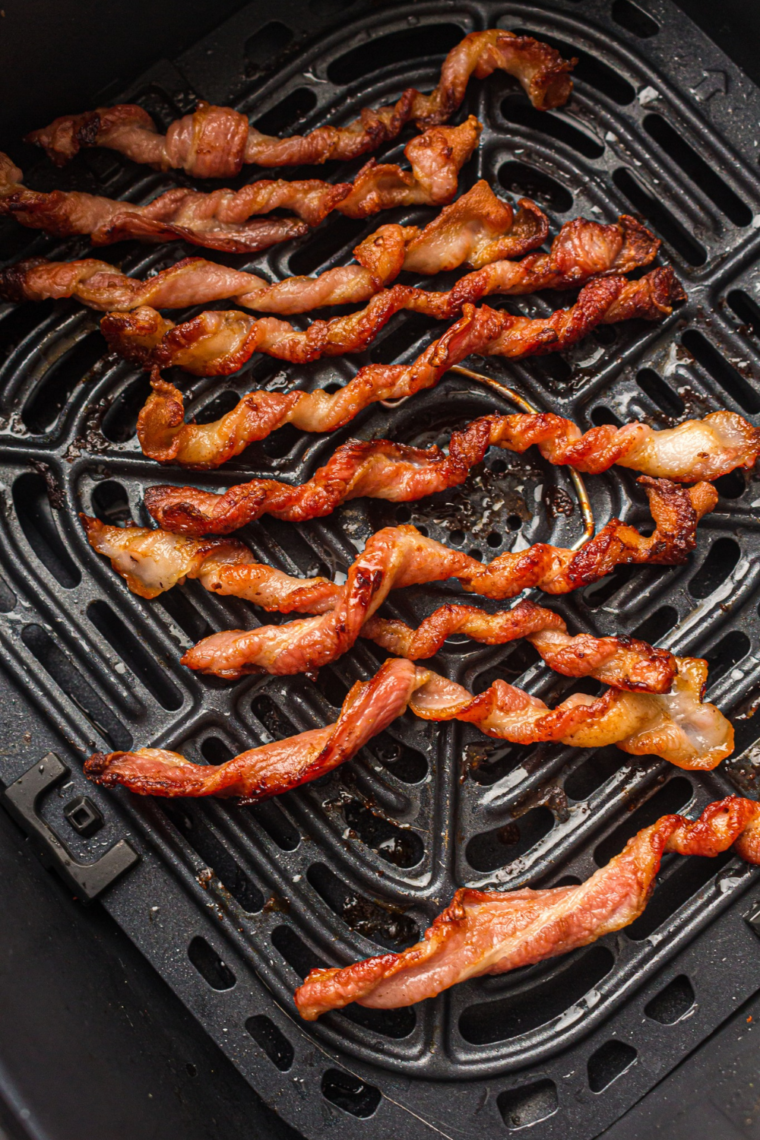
(234, 905)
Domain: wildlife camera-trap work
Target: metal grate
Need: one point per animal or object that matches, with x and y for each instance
(235, 905)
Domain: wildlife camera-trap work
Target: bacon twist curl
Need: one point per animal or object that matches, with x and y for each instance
(477, 229)
(491, 932)
(218, 343)
(223, 219)
(215, 142)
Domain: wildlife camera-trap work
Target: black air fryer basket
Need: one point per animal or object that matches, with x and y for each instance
(232, 905)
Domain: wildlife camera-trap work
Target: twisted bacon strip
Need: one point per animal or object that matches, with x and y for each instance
(220, 219)
(152, 561)
(477, 229)
(369, 707)
(676, 726)
(491, 932)
(215, 142)
(218, 343)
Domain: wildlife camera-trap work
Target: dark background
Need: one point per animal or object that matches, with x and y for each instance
(92, 1042)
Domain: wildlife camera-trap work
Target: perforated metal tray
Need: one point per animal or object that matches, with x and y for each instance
(233, 906)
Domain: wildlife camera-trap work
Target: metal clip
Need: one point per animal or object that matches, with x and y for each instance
(86, 879)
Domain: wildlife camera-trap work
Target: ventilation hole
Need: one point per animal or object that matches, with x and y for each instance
(262, 48)
(179, 607)
(492, 849)
(70, 680)
(659, 217)
(601, 765)
(56, 386)
(215, 750)
(528, 1105)
(270, 715)
(403, 515)
(673, 892)
(349, 1093)
(731, 486)
(553, 370)
(110, 503)
(494, 539)
(514, 522)
(216, 408)
(7, 597)
(721, 371)
(660, 393)
(608, 1063)
(527, 181)
(294, 950)
(285, 114)
(19, 320)
(402, 761)
(729, 651)
(395, 844)
(398, 47)
(290, 540)
(589, 70)
(603, 415)
(525, 1010)
(276, 824)
(634, 20)
(386, 925)
(269, 1038)
(32, 502)
(340, 236)
(721, 559)
(119, 424)
(395, 1023)
(746, 309)
(599, 593)
(672, 797)
(281, 442)
(456, 537)
(517, 660)
(401, 339)
(518, 110)
(702, 173)
(672, 1002)
(190, 822)
(209, 965)
(332, 688)
(142, 663)
(657, 624)
(605, 335)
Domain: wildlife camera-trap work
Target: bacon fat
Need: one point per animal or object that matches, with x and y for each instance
(218, 343)
(477, 229)
(491, 932)
(223, 219)
(215, 142)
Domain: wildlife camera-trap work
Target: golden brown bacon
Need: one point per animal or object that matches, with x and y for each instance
(152, 561)
(675, 726)
(218, 343)
(223, 219)
(267, 771)
(477, 229)
(491, 932)
(215, 142)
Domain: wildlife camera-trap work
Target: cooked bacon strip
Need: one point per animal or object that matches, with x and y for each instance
(215, 142)
(152, 561)
(221, 219)
(623, 663)
(491, 932)
(271, 769)
(477, 229)
(218, 343)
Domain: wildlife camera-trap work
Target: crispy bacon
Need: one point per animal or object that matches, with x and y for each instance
(223, 219)
(382, 469)
(218, 343)
(477, 229)
(491, 932)
(259, 773)
(215, 142)
(152, 561)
